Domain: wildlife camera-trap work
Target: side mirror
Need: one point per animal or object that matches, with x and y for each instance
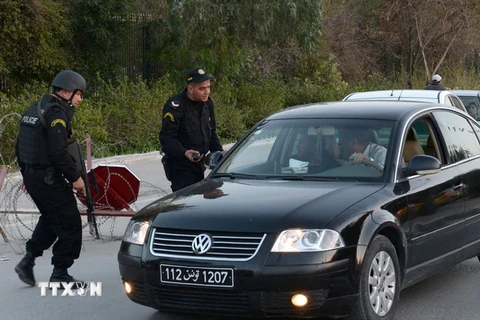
(422, 164)
(213, 158)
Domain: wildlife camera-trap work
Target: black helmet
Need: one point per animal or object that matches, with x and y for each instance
(70, 81)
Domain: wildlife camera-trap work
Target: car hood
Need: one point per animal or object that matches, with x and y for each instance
(255, 205)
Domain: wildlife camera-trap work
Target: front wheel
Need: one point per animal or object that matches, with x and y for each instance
(379, 286)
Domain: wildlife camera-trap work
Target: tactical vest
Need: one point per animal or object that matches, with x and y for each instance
(32, 142)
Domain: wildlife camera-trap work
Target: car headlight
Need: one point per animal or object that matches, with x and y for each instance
(305, 240)
(136, 232)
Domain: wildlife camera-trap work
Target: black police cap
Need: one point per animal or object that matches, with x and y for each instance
(197, 75)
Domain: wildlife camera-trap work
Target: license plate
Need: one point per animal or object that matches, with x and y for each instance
(196, 276)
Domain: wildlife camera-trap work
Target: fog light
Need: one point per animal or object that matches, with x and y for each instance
(299, 300)
(128, 287)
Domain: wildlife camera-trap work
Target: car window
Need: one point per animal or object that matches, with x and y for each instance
(421, 139)
(466, 100)
(457, 103)
(256, 149)
(472, 105)
(476, 128)
(333, 148)
(460, 138)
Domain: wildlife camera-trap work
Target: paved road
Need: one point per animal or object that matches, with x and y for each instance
(450, 295)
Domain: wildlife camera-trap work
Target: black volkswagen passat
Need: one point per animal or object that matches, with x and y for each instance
(326, 209)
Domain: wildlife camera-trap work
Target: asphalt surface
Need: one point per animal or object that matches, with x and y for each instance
(452, 294)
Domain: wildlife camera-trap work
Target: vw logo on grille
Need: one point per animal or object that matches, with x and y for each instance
(202, 243)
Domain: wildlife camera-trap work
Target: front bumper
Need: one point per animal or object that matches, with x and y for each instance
(262, 289)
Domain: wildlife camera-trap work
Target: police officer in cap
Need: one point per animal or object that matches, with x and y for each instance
(49, 174)
(189, 131)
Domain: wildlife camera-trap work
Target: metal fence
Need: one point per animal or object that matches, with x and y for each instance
(135, 55)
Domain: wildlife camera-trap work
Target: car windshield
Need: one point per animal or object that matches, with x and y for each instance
(311, 149)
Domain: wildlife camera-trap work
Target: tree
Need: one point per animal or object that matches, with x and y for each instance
(434, 28)
(100, 30)
(33, 35)
(412, 37)
(244, 38)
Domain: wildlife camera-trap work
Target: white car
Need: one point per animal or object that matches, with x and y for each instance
(433, 96)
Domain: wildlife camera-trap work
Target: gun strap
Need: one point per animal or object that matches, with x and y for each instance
(40, 114)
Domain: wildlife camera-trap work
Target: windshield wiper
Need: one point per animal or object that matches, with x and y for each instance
(301, 177)
(234, 175)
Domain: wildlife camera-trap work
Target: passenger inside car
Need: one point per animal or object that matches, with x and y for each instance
(311, 155)
(358, 147)
(473, 110)
(307, 149)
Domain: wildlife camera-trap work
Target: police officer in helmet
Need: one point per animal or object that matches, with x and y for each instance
(49, 174)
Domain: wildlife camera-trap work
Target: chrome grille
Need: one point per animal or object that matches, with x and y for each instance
(225, 245)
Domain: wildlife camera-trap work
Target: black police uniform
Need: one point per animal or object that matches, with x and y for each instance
(187, 125)
(48, 171)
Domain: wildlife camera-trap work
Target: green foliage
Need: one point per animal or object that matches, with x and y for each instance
(89, 120)
(373, 82)
(32, 37)
(131, 112)
(99, 29)
(325, 84)
(265, 55)
(229, 118)
(10, 110)
(258, 100)
(246, 34)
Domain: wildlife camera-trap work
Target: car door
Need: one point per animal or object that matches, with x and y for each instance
(468, 159)
(461, 135)
(435, 210)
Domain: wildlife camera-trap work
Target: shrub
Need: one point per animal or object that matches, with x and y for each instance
(258, 100)
(10, 110)
(230, 125)
(132, 112)
(325, 84)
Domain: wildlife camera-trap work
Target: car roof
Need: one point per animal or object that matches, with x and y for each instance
(402, 94)
(462, 93)
(357, 109)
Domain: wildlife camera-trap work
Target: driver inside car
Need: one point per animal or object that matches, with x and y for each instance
(358, 148)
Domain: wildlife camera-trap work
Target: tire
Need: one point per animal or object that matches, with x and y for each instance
(382, 284)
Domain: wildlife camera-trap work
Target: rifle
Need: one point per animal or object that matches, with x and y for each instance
(76, 153)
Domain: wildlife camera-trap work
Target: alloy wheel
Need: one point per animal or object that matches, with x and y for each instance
(381, 282)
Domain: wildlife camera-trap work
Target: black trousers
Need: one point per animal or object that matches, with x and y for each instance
(59, 221)
(184, 173)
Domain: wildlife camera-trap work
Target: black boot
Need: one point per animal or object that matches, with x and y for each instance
(61, 275)
(24, 269)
